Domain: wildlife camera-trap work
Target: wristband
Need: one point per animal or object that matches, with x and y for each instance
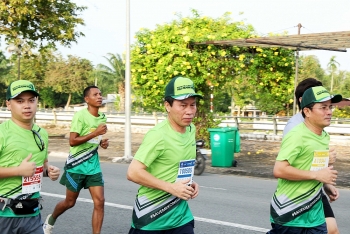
(46, 173)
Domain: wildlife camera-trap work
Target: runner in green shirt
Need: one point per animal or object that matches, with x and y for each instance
(302, 167)
(82, 169)
(23, 162)
(164, 164)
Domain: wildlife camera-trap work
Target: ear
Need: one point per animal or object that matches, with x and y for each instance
(307, 112)
(8, 104)
(86, 99)
(167, 106)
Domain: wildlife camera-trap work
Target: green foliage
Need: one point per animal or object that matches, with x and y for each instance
(202, 124)
(251, 73)
(310, 67)
(41, 23)
(341, 113)
(113, 77)
(68, 76)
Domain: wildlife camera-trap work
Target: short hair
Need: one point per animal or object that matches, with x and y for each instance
(169, 100)
(87, 90)
(309, 107)
(303, 86)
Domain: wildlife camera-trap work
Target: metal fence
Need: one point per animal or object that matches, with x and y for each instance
(270, 125)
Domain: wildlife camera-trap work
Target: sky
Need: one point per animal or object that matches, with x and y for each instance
(105, 21)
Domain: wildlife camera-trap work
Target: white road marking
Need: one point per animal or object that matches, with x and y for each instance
(213, 221)
(212, 188)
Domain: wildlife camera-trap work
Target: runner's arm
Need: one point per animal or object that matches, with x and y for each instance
(137, 173)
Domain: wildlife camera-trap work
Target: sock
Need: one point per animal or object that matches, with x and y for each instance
(51, 220)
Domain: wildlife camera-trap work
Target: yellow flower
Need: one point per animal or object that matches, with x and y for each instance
(286, 64)
(261, 83)
(186, 38)
(276, 53)
(176, 72)
(242, 65)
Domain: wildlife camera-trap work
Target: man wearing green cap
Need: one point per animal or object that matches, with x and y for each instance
(23, 162)
(164, 165)
(302, 167)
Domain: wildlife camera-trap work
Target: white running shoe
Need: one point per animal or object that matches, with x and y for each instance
(47, 227)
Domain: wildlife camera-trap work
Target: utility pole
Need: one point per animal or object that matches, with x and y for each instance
(296, 72)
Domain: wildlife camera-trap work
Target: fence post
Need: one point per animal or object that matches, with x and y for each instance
(54, 116)
(155, 118)
(236, 121)
(274, 125)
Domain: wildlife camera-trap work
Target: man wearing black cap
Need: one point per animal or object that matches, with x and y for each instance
(164, 165)
(23, 162)
(302, 167)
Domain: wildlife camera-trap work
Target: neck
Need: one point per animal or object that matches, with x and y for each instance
(313, 128)
(25, 125)
(93, 110)
(176, 127)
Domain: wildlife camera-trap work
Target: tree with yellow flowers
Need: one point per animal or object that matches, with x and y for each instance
(252, 74)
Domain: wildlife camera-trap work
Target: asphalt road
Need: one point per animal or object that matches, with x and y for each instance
(226, 204)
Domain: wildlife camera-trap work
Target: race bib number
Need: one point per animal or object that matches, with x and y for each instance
(95, 140)
(320, 160)
(186, 169)
(32, 184)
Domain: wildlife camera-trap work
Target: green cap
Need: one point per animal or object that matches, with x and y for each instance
(180, 88)
(19, 86)
(318, 94)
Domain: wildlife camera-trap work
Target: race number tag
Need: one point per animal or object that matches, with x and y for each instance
(32, 184)
(320, 160)
(95, 140)
(186, 169)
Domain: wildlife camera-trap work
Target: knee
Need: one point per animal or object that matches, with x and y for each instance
(99, 202)
(70, 203)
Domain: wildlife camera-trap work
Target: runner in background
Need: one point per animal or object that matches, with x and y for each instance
(82, 168)
(329, 189)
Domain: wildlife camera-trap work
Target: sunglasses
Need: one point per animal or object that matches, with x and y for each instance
(39, 142)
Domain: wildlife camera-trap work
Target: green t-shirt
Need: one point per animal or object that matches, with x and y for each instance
(299, 203)
(16, 144)
(83, 159)
(161, 151)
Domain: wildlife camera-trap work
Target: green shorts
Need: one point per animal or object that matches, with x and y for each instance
(75, 182)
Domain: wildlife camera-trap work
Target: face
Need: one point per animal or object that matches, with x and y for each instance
(23, 107)
(320, 114)
(182, 112)
(94, 97)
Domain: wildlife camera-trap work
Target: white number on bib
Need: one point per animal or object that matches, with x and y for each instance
(186, 169)
(32, 184)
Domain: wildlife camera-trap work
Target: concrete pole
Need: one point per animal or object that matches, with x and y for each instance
(127, 133)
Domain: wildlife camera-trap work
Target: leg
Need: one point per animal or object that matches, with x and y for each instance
(332, 226)
(97, 194)
(69, 202)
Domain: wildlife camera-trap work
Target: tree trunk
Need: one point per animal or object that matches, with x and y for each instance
(121, 91)
(68, 101)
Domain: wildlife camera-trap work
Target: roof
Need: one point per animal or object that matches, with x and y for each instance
(334, 41)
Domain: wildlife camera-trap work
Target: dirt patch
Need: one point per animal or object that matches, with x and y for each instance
(257, 157)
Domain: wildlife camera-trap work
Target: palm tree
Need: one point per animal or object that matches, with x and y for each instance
(114, 74)
(332, 66)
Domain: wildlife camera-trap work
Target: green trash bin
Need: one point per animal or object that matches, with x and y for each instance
(224, 143)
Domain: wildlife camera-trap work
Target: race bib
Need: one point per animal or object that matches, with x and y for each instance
(95, 140)
(320, 160)
(32, 184)
(186, 169)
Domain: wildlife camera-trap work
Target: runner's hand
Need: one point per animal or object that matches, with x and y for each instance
(53, 172)
(181, 190)
(104, 143)
(101, 129)
(195, 186)
(332, 192)
(332, 156)
(327, 175)
(27, 168)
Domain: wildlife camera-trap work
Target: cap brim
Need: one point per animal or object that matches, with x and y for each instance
(184, 96)
(32, 91)
(334, 98)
